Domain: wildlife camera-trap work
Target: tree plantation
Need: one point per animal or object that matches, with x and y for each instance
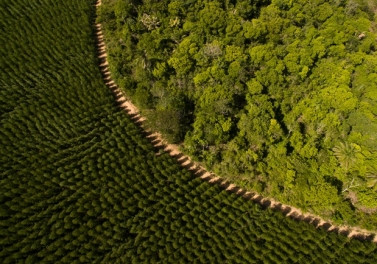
(277, 96)
(80, 182)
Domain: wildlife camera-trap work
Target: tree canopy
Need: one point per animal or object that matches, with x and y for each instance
(280, 96)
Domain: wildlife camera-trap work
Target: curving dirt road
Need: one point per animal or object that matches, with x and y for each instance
(199, 170)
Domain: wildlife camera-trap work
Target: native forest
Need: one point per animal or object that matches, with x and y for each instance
(276, 97)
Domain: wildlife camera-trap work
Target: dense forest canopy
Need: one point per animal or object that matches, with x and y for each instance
(279, 96)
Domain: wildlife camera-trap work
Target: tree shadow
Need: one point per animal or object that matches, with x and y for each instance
(257, 198)
(316, 222)
(265, 203)
(326, 226)
(308, 219)
(344, 232)
(363, 237)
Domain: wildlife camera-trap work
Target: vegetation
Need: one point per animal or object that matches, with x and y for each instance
(80, 184)
(279, 96)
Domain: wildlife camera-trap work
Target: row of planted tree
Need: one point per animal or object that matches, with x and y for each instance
(79, 182)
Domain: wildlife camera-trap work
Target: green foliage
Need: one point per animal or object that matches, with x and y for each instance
(272, 85)
(79, 182)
